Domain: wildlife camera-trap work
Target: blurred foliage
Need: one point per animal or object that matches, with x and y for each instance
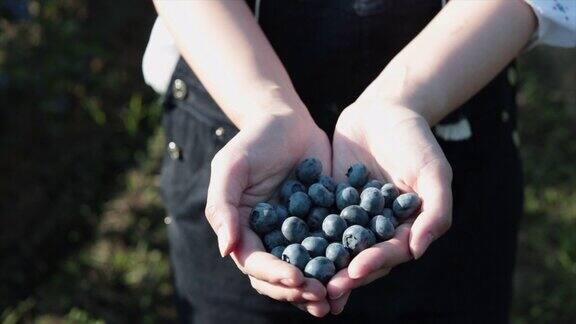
(82, 237)
(545, 281)
(76, 118)
(122, 274)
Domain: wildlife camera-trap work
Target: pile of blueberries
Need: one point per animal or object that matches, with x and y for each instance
(319, 226)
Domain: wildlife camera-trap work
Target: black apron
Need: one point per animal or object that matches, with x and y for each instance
(332, 50)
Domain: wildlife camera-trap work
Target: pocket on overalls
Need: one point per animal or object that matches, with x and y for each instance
(375, 7)
(371, 7)
(195, 130)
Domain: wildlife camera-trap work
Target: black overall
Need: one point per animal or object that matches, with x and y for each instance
(332, 50)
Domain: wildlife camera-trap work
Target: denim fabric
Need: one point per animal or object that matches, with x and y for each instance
(332, 50)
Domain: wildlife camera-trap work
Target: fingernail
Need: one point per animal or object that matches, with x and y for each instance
(340, 294)
(309, 296)
(353, 274)
(425, 243)
(222, 240)
(338, 311)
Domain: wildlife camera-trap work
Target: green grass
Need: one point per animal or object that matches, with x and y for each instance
(545, 281)
(122, 275)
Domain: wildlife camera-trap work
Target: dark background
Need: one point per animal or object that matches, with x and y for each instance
(82, 237)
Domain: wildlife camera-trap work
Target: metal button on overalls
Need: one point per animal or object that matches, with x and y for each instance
(219, 132)
(174, 151)
(179, 89)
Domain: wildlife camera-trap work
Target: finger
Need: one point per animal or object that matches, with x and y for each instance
(337, 305)
(300, 305)
(227, 182)
(374, 275)
(315, 308)
(342, 283)
(314, 290)
(310, 291)
(387, 254)
(322, 150)
(250, 257)
(434, 187)
(342, 154)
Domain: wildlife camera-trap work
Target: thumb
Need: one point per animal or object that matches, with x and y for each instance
(227, 182)
(434, 187)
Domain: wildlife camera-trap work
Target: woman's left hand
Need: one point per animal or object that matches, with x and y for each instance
(397, 145)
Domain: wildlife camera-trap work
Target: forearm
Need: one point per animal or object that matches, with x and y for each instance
(464, 47)
(223, 44)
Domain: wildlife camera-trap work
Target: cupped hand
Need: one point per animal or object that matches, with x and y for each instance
(248, 170)
(397, 145)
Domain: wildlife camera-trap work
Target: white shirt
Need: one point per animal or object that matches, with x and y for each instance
(556, 27)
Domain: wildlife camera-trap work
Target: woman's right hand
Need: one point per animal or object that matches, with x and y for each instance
(248, 170)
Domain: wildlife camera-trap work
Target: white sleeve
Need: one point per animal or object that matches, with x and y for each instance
(556, 22)
(160, 58)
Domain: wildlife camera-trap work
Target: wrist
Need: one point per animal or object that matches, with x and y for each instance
(274, 105)
(371, 120)
(289, 131)
(385, 113)
(397, 87)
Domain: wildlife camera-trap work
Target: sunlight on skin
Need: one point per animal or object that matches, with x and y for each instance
(397, 145)
(248, 170)
(388, 127)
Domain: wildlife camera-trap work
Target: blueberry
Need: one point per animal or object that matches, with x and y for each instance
(299, 204)
(316, 246)
(338, 254)
(274, 239)
(372, 201)
(282, 214)
(296, 255)
(357, 175)
(387, 212)
(373, 184)
(320, 268)
(320, 195)
(294, 229)
(358, 239)
(346, 197)
(309, 170)
(316, 217)
(333, 227)
(341, 186)
(405, 205)
(327, 182)
(318, 233)
(263, 218)
(289, 187)
(263, 205)
(382, 227)
(277, 251)
(355, 215)
(390, 193)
